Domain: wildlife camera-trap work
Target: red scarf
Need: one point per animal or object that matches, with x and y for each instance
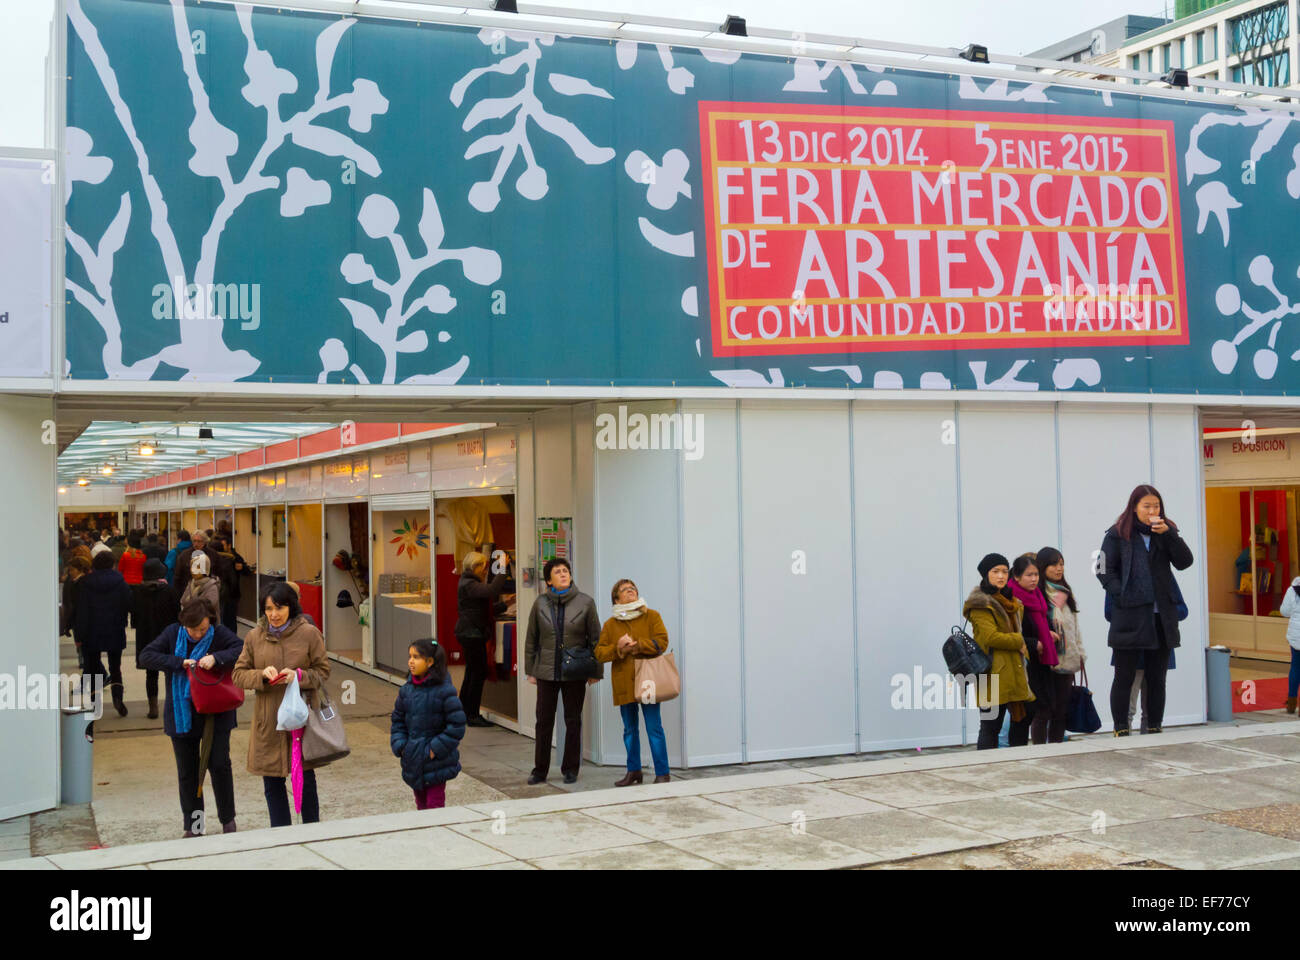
(1036, 606)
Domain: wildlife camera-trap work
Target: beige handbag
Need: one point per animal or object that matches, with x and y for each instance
(657, 680)
(323, 739)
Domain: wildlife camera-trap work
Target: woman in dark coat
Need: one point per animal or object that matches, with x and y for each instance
(473, 595)
(195, 640)
(103, 605)
(428, 725)
(1136, 556)
(154, 608)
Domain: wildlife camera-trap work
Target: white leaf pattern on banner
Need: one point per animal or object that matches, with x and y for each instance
(302, 192)
(525, 105)
(202, 353)
(678, 244)
(679, 79)
(969, 89)
(750, 378)
(379, 218)
(666, 183)
(1007, 381)
(576, 86)
(853, 372)
(1067, 373)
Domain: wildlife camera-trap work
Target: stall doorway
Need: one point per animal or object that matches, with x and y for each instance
(485, 523)
(402, 562)
(306, 563)
(245, 525)
(347, 581)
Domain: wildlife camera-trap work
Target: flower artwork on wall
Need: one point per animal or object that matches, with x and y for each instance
(411, 537)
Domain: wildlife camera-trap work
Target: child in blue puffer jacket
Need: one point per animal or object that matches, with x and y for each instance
(428, 725)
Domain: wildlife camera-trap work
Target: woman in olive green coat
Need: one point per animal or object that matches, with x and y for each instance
(995, 619)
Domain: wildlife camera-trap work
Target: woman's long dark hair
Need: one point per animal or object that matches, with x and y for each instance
(1046, 558)
(284, 596)
(1124, 525)
(430, 649)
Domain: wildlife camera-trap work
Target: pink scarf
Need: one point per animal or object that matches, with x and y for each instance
(1036, 606)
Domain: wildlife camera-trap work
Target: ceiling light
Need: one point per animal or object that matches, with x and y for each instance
(975, 53)
(734, 26)
(146, 450)
(83, 482)
(106, 470)
(63, 489)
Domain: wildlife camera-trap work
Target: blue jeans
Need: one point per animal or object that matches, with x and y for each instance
(653, 728)
(1293, 680)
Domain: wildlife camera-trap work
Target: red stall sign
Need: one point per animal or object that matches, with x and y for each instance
(854, 229)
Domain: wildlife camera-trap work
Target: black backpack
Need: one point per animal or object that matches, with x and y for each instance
(963, 655)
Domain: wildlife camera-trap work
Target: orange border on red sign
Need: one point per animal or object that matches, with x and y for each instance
(725, 346)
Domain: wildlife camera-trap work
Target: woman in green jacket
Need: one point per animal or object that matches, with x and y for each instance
(995, 615)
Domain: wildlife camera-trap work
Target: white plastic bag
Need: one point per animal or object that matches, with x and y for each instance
(293, 709)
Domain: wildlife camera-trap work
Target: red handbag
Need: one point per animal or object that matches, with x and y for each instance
(214, 691)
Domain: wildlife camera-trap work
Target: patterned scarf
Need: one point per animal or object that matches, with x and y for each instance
(182, 708)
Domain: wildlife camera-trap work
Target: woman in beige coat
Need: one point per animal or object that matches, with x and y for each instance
(282, 644)
(634, 631)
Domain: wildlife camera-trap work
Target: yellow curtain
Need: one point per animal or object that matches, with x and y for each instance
(472, 524)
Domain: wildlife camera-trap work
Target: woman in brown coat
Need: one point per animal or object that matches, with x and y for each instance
(283, 643)
(634, 631)
(995, 618)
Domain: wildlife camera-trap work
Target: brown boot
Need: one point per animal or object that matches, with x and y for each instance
(118, 702)
(664, 779)
(153, 708)
(228, 827)
(631, 778)
(1290, 704)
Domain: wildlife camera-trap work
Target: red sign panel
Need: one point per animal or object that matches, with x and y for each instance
(856, 229)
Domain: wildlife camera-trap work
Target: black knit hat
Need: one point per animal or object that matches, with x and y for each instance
(989, 562)
(154, 569)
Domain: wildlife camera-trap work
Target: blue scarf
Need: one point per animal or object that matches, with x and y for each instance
(182, 709)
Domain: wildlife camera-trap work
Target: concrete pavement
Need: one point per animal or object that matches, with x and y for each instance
(1213, 797)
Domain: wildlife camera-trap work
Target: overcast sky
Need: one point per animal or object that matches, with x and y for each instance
(1004, 26)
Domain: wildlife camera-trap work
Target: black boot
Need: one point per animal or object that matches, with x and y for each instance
(153, 708)
(118, 703)
(1121, 733)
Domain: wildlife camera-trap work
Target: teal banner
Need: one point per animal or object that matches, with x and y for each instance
(289, 197)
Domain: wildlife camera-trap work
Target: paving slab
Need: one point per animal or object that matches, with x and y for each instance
(1194, 843)
(28, 863)
(505, 865)
(909, 789)
(1037, 853)
(1008, 817)
(1291, 863)
(1017, 776)
(19, 844)
(275, 858)
(1118, 805)
(18, 826)
(809, 801)
(1284, 746)
(1283, 776)
(645, 856)
(1113, 767)
(774, 848)
(436, 848)
(548, 835)
(1218, 791)
(675, 817)
(1206, 757)
(893, 834)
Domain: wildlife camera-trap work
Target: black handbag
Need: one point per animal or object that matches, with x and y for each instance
(579, 663)
(964, 656)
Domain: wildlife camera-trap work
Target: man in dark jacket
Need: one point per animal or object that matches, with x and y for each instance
(227, 567)
(154, 550)
(472, 627)
(561, 617)
(196, 641)
(103, 605)
(154, 608)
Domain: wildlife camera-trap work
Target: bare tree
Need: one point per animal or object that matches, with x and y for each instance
(1257, 37)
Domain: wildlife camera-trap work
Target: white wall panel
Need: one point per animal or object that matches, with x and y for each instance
(798, 639)
(29, 591)
(1105, 453)
(638, 538)
(1177, 474)
(708, 650)
(909, 589)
